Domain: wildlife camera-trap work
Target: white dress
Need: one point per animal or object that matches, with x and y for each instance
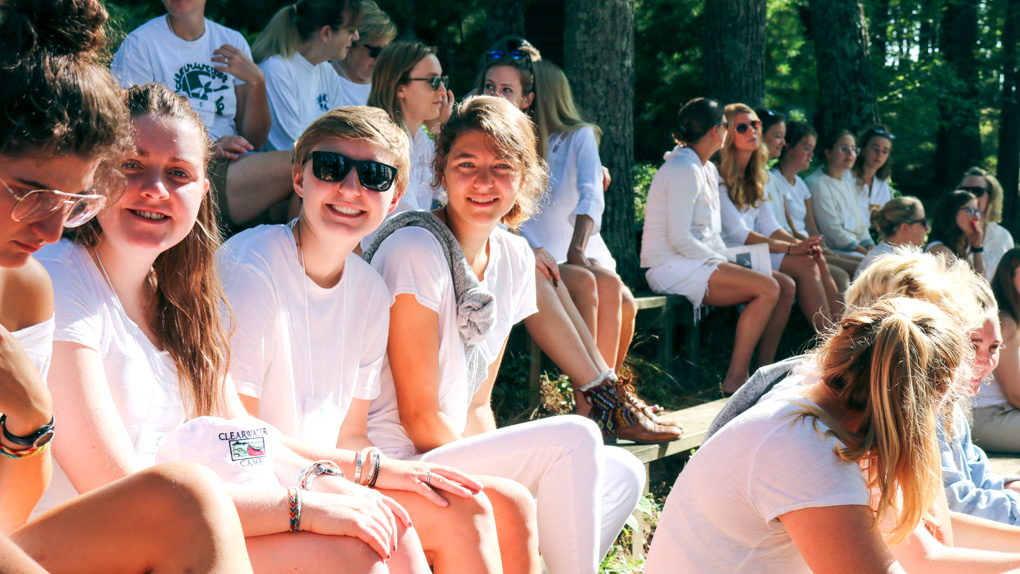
(682, 243)
(575, 188)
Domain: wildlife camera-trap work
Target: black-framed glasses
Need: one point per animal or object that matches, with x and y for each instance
(436, 82)
(334, 167)
(922, 221)
(751, 125)
(39, 204)
(975, 190)
(373, 51)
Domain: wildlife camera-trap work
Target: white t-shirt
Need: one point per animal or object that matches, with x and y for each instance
(299, 93)
(722, 513)
(997, 242)
(796, 196)
(575, 188)
(420, 191)
(880, 249)
(353, 94)
(682, 214)
(37, 342)
(872, 196)
(305, 364)
(412, 261)
(153, 53)
(142, 379)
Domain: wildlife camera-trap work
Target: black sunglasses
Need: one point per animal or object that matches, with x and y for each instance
(975, 190)
(373, 51)
(922, 221)
(883, 133)
(742, 128)
(436, 82)
(332, 166)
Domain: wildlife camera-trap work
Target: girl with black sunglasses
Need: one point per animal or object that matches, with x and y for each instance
(988, 191)
(375, 32)
(293, 52)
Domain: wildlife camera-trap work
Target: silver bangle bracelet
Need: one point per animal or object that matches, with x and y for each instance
(319, 467)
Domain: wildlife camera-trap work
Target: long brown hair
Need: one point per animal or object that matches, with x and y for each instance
(392, 70)
(186, 310)
(894, 364)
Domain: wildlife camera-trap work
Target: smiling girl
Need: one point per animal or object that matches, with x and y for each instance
(459, 284)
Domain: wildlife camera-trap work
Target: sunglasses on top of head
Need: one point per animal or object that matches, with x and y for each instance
(373, 51)
(37, 205)
(334, 167)
(751, 125)
(436, 82)
(975, 190)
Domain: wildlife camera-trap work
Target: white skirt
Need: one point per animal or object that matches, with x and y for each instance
(683, 276)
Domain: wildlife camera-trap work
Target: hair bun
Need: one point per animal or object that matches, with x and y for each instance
(51, 27)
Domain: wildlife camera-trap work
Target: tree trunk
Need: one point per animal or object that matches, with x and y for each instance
(846, 83)
(503, 18)
(958, 141)
(1009, 126)
(599, 60)
(734, 58)
(880, 40)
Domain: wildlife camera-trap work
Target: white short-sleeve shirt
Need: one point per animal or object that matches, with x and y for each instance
(353, 94)
(722, 513)
(143, 380)
(37, 342)
(412, 261)
(299, 93)
(305, 364)
(153, 53)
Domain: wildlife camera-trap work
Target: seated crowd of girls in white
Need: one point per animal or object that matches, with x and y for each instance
(320, 389)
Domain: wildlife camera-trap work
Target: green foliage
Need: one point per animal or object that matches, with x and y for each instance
(643, 174)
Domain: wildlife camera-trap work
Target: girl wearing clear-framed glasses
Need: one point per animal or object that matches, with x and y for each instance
(833, 200)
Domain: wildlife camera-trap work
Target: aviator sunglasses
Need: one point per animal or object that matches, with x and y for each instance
(39, 204)
(334, 167)
(751, 125)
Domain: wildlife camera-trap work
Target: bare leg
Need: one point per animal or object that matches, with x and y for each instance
(584, 291)
(257, 181)
(734, 285)
(769, 342)
(561, 333)
(13, 560)
(626, 327)
(835, 281)
(459, 538)
(811, 295)
(848, 264)
(169, 518)
(312, 553)
(516, 524)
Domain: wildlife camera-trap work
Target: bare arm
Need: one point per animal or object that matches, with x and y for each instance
(838, 539)
(922, 553)
(479, 417)
(414, 362)
(809, 219)
(252, 118)
(583, 226)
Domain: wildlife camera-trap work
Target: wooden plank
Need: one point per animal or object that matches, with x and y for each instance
(1004, 463)
(695, 421)
(651, 302)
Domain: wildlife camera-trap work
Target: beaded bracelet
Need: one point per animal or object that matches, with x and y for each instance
(20, 454)
(294, 498)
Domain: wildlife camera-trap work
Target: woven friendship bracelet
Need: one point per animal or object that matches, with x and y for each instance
(19, 454)
(294, 498)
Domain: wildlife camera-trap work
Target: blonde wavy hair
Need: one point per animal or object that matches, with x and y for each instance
(993, 214)
(511, 135)
(555, 110)
(746, 187)
(895, 364)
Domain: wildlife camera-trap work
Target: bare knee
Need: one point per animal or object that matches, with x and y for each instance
(584, 288)
(787, 286)
(192, 491)
(471, 518)
(514, 509)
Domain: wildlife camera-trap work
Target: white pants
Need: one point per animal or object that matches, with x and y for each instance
(585, 490)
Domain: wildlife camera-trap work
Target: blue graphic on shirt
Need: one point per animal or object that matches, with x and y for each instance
(198, 81)
(323, 100)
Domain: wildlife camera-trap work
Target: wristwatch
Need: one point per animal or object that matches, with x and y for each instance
(37, 439)
(312, 471)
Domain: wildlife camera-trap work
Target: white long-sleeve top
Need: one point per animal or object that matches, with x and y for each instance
(575, 188)
(837, 212)
(682, 214)
(738, 223)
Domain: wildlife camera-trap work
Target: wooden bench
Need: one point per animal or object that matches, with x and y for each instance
(695, 421)
(667, 311)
